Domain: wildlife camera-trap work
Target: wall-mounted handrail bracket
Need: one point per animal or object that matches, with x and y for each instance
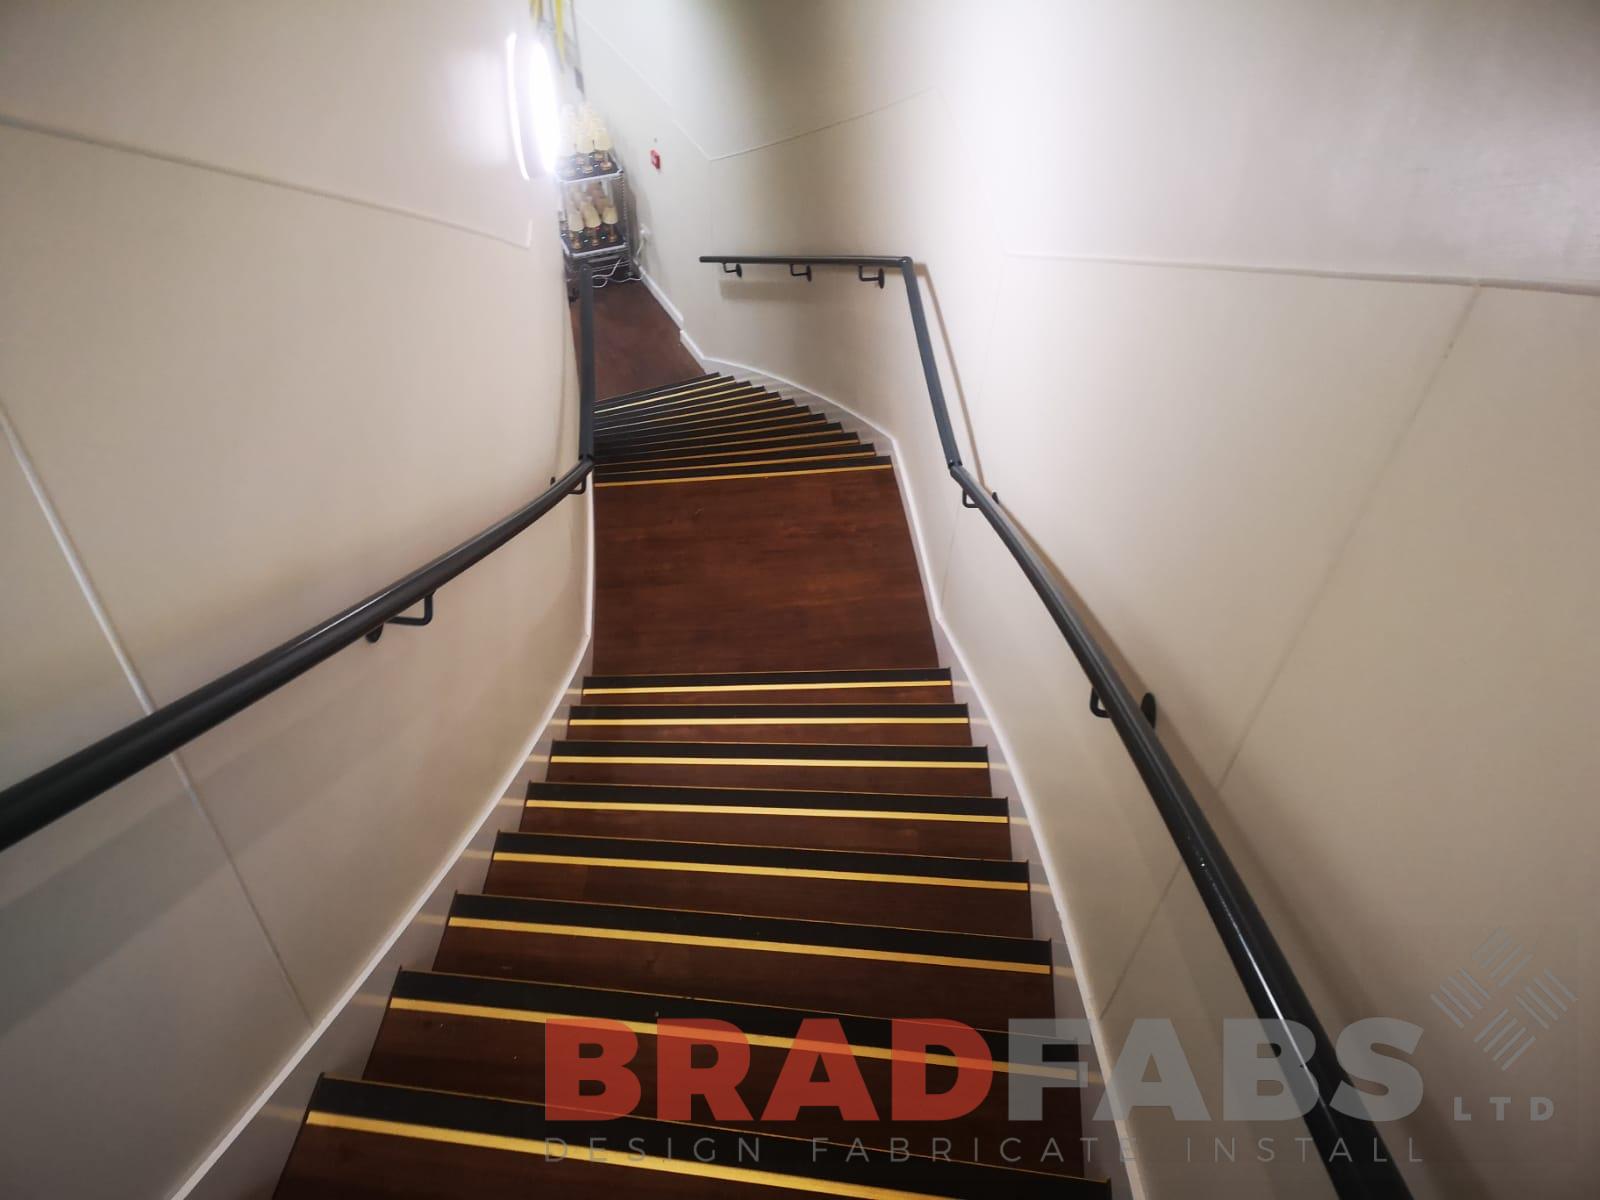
(1147, 706)
(968, 502)
(425, 619)
(805, 274)
(733, 269)
(861, 274)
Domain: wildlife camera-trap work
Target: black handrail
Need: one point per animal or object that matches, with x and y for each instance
(1352, 1149)
(52, 793)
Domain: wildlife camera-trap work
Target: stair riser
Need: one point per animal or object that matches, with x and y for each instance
(684, 408)
(812, 460)
(917, 906)
(711, 425)
(903, 835)
(961, 781)
(941, 693)
(683, 385)
(873, 987)
(452, 1052)
(737, 440)
(687, 396)
(746, 449)
(333, 1164)
(700, 459)
(688, 403)
(691, 420)
(732, 432)
(863, 734)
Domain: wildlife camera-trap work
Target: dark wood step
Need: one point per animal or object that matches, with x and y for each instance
(692, 410)
(956, 770)
(875, 970)
(755, 447)
(971, 895)
(882, 724)
(935, 824)
(487, 1036)
(363, 1139)
(698, 398)
(710, 424)
(795, 422)
(805, 433)
(915, 685)
(661, 390)
(693, 420)
(827, 456)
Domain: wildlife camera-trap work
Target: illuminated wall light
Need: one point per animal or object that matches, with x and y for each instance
(512, 112)
(544, 105)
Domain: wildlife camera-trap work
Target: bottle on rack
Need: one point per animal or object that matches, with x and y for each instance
(568, 165)
(610, 233)
(584, 159)
(572, 225)
(604, 161)
(591, 228)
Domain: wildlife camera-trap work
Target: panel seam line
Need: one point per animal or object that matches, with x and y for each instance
(102, 618)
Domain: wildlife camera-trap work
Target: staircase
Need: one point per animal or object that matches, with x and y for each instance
(766, 811)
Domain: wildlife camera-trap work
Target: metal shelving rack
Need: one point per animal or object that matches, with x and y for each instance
(608, 264)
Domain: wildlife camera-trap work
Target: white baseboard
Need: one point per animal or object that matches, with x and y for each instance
(661, 297)
(247, 1161)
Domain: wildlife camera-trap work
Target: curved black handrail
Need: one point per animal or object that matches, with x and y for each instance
(33, 803)
(1352, 1149)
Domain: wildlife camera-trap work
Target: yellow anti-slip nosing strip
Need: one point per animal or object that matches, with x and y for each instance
(665, 761)
(642, 864)
(725, 478)
(691, 416)
(740, 437)
(769, 720)
(765, 687)
(658, 937)
(710, 424)
(742, 430)
(757, 810)
(843, 440)
(863, 452)
(703, 390)
(490, 1012)
(683, 393)
(692, 423)
(553, 1150)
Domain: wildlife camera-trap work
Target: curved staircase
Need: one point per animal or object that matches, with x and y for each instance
(765, 814)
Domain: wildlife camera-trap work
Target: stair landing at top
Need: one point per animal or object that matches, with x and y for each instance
(737, 531)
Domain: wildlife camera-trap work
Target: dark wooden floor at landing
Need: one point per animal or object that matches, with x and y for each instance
(787, 572)
(636, 342)
(784, 573)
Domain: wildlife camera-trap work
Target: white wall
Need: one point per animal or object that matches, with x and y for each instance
(1209, 288)
(274, 330)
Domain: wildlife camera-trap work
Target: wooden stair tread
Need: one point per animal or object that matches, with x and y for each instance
(931, 723)
(739, 824)
(486, 1035)
(981, 979)
(970, 895)
(434, 1142)
(932, 824)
